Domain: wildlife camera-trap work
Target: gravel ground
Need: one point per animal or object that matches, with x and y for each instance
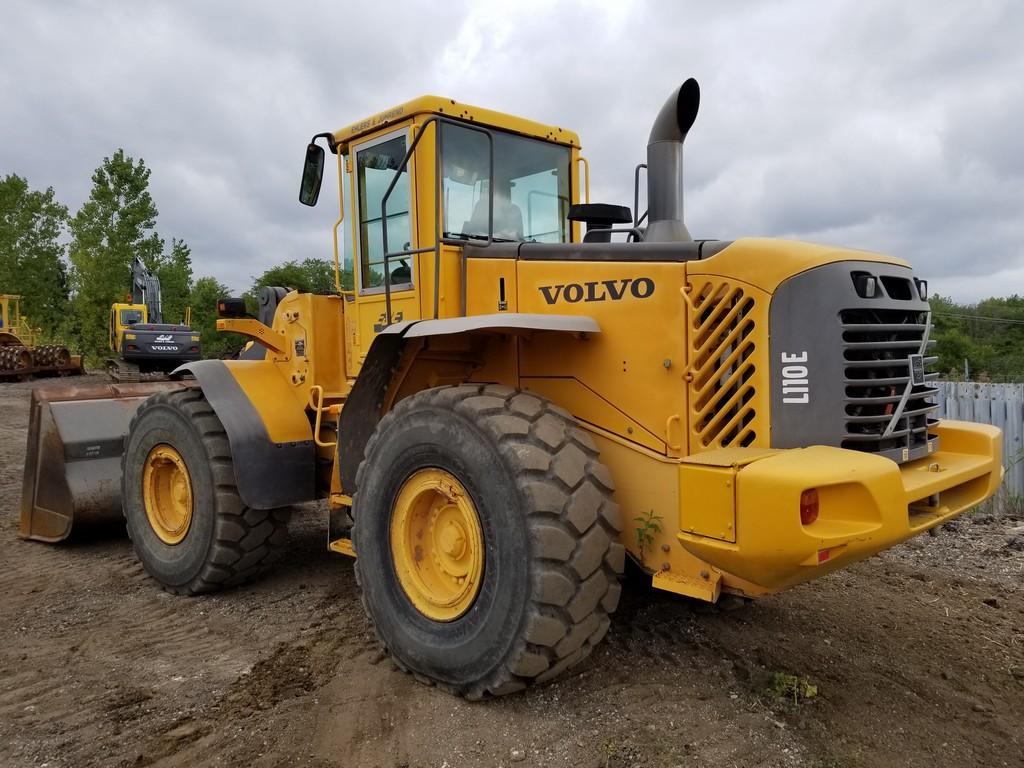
(916, 658)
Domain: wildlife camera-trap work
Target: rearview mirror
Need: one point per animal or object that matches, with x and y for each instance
(312, 174)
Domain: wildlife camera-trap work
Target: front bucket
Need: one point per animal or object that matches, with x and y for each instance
(73, 459)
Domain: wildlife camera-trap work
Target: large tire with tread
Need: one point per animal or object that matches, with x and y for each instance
(552, 560)
(226, 543)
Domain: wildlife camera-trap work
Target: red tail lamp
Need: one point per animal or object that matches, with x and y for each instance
(809, 506)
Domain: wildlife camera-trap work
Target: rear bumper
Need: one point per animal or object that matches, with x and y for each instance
(144, 353)
(867, 503)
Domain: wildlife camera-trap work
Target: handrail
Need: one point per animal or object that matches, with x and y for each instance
(316, 404)
(437, 120)
(637, 218)
(337, 225)
(586, 177)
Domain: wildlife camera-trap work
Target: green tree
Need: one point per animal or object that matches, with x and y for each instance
(308, 276)
(203, 300)
(989, 335)
(31, 254)
(116, 224)
(175, 273)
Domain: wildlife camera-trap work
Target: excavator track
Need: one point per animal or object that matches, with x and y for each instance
(124, 372)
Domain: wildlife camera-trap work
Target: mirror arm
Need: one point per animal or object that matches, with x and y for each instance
(332, 144)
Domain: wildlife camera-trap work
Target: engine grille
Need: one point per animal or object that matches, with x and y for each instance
(877, 344)
(723, 396)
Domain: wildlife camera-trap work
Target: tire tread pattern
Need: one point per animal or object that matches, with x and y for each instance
(572, 521)
(246, 541)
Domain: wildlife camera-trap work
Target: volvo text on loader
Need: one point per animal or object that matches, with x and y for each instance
(522, 391)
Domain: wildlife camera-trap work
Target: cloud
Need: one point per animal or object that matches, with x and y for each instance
(881, 126)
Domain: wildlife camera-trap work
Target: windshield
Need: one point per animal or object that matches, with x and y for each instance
(531, 187)
(131, 316)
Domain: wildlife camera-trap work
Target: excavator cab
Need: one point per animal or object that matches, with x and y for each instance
(122, 318)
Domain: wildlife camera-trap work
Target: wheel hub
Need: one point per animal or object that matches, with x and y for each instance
(167, 494)
(437, 544)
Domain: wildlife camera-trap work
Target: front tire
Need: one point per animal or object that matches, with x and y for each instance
(188, 525)
(515, 473)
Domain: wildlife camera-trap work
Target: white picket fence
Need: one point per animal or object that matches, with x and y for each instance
(1001, 405)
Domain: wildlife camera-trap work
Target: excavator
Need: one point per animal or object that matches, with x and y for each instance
(143, 344)
(523, 392)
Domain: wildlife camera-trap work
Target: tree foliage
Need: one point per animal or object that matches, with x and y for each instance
(31, 252)
(175, 273)
(308, 276)
(203, 300)
(117, 223)
(989, 335)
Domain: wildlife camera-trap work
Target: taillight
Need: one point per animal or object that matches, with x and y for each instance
(809, 506)
(193, 349)
(132, 348)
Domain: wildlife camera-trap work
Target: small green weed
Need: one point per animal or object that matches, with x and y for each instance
(795, 687)
(647, 526)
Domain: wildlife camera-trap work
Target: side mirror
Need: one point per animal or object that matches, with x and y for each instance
(312, 175)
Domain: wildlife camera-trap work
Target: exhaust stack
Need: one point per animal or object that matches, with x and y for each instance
(665, 165)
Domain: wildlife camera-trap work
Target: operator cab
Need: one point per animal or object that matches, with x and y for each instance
(423, 180)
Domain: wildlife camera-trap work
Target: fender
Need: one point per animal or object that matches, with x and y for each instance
(364, 406)
(271, 441)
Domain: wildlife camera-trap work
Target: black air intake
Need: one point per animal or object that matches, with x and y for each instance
(665, 165)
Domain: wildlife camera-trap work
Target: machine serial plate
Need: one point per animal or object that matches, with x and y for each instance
(917, 370)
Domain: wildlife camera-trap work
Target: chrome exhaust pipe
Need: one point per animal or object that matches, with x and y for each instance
(665, 165)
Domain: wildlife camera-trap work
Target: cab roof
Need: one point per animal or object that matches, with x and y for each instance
(439, 105)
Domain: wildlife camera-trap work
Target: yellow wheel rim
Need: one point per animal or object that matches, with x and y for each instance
(437, 544)
(167, 494)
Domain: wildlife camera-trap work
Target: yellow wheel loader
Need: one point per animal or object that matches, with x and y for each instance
(21, 356)
(523, 391)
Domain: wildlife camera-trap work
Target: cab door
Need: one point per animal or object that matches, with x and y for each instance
(374, 164)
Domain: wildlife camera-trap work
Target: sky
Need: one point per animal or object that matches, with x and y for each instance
(892, 127)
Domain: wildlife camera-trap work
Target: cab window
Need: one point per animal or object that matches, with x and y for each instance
(376, 165)
(131, 316)
(531, 187)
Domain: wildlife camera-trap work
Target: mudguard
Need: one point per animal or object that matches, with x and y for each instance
(363, 408)
(269, 433)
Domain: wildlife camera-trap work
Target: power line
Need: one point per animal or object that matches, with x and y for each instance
(979, 317)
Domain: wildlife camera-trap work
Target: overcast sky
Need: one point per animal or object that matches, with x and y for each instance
(896, 127)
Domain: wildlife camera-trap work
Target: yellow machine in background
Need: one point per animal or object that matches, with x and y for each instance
(142, 343)
(523, 390)
(21, 355)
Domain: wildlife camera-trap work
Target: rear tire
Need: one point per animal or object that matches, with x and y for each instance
(551, 557)
(224, 542)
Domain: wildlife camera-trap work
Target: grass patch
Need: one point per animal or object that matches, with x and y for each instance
(794, 688)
